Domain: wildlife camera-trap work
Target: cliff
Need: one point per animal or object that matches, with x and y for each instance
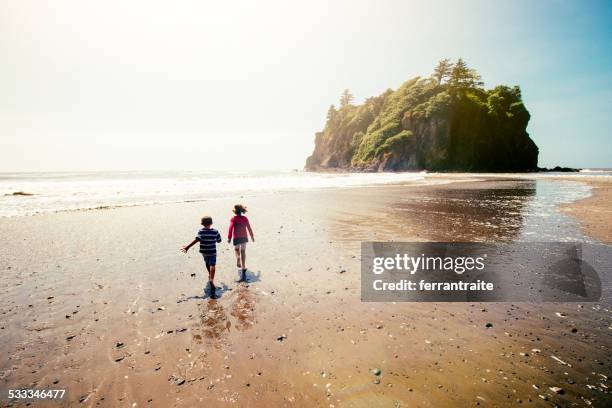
(429, 124)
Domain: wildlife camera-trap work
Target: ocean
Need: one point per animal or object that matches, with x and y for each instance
(35, 193)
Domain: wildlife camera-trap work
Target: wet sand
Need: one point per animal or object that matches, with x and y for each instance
(103, 304)
(595, 212)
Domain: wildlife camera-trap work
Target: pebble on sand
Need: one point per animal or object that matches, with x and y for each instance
(557, 359)
(176, 380)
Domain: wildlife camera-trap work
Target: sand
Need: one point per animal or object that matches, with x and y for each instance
(103, 304)
(595, 212)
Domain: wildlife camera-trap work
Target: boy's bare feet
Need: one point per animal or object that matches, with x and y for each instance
(213, 289)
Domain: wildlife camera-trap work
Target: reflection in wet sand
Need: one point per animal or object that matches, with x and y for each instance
(482, 212)
(243, 307)
(214, 323)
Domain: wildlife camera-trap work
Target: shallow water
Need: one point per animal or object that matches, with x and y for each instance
(542, 219)
(491, 211)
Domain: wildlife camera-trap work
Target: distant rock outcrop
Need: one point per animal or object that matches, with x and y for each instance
(429, 124)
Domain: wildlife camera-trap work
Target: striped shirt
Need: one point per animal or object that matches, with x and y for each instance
(208, 238)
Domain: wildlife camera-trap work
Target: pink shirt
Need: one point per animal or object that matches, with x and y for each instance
(239, 225)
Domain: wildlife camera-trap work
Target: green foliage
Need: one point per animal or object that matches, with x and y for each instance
(346, 98)
(331, 113)
(462, 77)
(436, 105)
(395, 143)
(355, 118)
(389, 122)
(442, 71)
(356, 141)
(501, 98)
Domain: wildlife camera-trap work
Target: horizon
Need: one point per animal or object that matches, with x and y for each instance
(240, 87)
(278, 170)
(274, 172)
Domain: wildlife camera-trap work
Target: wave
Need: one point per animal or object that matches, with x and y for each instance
(608, 171)
(57, 192)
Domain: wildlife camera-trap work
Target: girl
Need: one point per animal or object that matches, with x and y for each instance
(239, 225)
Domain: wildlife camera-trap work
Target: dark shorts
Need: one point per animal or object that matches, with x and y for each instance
(238, 241)
(210, 260)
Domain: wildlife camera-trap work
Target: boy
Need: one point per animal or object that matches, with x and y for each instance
(208, 238)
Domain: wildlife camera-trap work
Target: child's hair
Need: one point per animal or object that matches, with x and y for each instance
(239, 209)
(207, 221)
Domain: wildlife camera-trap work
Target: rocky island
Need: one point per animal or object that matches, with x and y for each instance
(445, 122)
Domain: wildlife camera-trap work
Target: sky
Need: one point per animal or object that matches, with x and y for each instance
(241, 85)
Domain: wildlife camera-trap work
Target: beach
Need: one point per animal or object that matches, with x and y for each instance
(102, 303)
(594, 211)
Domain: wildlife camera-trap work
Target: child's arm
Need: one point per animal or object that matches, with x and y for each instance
(250, 230)
(186, 247)
(218, 237)
(230, 231)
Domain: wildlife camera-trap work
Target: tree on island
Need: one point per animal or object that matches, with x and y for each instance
(442, 70)
(331, 113)
(346, 98)
(461, 76)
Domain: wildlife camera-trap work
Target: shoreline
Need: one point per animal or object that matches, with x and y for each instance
(594, 212)
(426, 179)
